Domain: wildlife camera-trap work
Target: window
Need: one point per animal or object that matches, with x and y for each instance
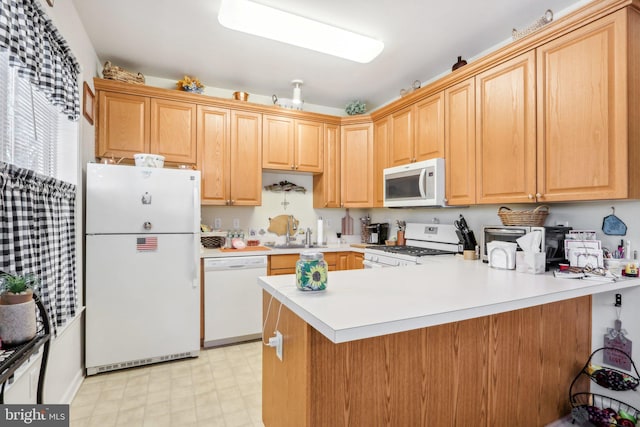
(34, 134)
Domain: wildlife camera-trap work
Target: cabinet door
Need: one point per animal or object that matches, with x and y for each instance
(506, 132)
(582, 113)
(460, 163)
(356, 158)
(326, 186)
(343, 261)
(308, 146)
(278, 147)
(124, 125)
(381, 130)
(245, 158)
(401, 142)
(355, 261)
(173, 130)
(213, 154)
(429, 128)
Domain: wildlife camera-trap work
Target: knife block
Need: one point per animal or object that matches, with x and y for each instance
(400, 238)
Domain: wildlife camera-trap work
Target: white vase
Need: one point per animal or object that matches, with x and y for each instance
(17, 322)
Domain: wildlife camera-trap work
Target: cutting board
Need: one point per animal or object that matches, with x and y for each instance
(278, 225)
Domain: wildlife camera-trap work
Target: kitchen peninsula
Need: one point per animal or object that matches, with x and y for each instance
(450, 342)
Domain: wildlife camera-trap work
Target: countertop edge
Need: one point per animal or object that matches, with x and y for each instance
(217, 253)
(401, 325)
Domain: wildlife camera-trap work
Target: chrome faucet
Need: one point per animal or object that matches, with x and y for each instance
(291, 225)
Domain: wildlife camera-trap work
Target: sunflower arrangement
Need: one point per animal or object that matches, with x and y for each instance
(190, 84)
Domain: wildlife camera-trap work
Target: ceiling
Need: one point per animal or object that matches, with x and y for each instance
(171, 38)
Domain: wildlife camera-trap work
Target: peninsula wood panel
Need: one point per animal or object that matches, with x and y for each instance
(514, 366)
(506, 132)
(245, 158)
(173, 130)
(582, 112)
(535, 353)
(326, 186)
(429, 127)
(460, 148)
(123, 125)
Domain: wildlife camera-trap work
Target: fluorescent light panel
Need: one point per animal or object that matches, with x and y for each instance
(263, 21)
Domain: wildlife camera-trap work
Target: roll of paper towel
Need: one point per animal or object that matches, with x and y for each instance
(320, 231)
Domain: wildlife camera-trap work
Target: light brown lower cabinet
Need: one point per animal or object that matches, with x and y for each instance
(286, 264)
(508, 369)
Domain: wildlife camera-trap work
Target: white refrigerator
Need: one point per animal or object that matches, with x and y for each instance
(142, 290)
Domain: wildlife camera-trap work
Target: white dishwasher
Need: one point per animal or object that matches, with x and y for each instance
(232, 299)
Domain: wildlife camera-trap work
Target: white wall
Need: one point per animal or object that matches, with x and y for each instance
(253, 97)
(66, 360)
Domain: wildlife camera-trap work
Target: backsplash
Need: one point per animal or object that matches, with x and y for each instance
(583, 215)
(298, 204)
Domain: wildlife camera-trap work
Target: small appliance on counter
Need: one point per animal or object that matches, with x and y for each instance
(378, 233)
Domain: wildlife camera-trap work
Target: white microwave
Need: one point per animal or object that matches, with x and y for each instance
(415, 184)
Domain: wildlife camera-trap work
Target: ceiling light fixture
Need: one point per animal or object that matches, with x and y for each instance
(297, 91)
(264, 21)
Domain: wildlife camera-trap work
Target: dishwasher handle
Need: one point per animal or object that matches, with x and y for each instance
(235, 263)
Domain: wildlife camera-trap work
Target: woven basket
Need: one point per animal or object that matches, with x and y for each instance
(535, 217)
(113, 72)
(214, 239)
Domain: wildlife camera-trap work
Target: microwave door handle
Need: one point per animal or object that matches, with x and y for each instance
(422, 183)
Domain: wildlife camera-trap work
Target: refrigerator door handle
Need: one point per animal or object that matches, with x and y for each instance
(195, 282)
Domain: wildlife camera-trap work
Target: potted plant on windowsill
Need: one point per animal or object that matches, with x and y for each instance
(17, 308)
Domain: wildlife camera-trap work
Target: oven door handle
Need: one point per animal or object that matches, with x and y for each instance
(422, 183)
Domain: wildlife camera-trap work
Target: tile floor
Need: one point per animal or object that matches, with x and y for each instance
(221, 388)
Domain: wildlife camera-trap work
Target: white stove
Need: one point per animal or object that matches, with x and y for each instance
(422, 241)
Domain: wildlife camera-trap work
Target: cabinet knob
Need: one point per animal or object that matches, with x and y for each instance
(293, 167)
(530, 196)
(232, 202)
(538, 196)
(227, 202)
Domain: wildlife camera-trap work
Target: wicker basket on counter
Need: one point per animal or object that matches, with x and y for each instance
(113, 72)
(213, 239)
(534, 218)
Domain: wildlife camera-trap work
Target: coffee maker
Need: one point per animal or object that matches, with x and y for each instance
(378, 233)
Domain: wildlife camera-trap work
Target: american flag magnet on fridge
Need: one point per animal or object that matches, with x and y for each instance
(146, 244)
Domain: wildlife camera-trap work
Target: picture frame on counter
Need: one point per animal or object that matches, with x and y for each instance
(88, 103)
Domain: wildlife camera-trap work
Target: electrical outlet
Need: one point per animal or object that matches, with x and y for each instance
(277, 343)
(328, 222)
(217, 223)
(236, 223)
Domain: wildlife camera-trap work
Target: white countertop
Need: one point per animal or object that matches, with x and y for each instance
(217, 253)
(366, 303)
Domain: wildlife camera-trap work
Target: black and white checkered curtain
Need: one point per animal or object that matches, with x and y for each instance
(40, 54)
(37, 236)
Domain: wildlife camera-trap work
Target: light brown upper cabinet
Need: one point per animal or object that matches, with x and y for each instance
(460, 149)
(292, 144)
(131, 124)
(123, 125)
(401, 143)
(356, 165)
(429, 127)
(326, 186)
(381, 131)
(506, 132)
(173, 130)
(588, 109)
(230, 156)
(417, 131)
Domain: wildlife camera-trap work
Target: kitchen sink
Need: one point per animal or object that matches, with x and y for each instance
(294, 246)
